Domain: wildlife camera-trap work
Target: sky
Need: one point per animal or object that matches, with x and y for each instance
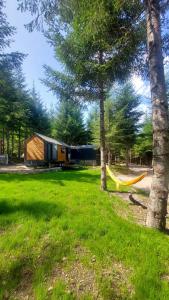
(39, 52)
(36, 47)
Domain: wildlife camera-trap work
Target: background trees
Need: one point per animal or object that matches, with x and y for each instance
(100, 43)
(143, 146)
(68, 125)
(122, 116)
(126, 119)
(21, 111)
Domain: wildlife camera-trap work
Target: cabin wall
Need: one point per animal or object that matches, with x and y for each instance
(35, 149)
(85, 156)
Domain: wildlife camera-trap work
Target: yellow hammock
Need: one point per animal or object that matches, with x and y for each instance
(126, 183)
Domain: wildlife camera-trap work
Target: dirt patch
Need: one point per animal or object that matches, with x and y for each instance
(100, 282)
(117, 277)
(23, 169)
(137, 211)
(79, 280)
(133, 211)
(24, 289)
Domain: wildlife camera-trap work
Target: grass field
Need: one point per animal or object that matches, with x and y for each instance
(62, 238)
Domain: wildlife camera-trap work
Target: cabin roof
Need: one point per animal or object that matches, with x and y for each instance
(84, 147)
(50, 140)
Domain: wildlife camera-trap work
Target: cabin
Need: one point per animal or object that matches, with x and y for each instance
(41, 150)
(85, 154)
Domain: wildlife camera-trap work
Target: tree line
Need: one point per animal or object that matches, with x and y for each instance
(21, 110)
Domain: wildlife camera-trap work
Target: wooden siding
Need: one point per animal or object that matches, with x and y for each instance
(35, 149)
(61, 153)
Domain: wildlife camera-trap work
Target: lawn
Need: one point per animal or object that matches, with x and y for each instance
(62, 238)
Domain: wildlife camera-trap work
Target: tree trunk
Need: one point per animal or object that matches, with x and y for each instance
(12, 144)
(19, 143)
(109, 158)
(102, 144)
(127, 157)
(157, 209)
(7, 142)
(3, 141)
(102, 128)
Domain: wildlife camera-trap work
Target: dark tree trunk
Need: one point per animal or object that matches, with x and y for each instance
(102, 144)
(19, 143)
(7, 142)
(102, 128)
(127, 157)
(3, 141)
(157, 209)
(12, 145)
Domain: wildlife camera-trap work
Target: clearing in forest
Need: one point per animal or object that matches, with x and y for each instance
(62, 238)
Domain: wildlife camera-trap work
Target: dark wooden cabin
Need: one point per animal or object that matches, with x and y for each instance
(85, 154)
(42, 150)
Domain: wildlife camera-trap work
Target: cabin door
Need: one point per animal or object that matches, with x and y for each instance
(61, 153)
(54, 152)
(49, 151)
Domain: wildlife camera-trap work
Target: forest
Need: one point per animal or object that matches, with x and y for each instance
(84, 229)
(23, 112)
(100, 46)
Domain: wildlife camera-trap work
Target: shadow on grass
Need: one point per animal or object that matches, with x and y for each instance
(37, 209)
(115, 191)
(26, 269)
(57, 177)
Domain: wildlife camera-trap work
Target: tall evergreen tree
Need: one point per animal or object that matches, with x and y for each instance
(92, 50)
(144, 140)
(39, 118)
(69, 125)
(126, 118)
(121, 122)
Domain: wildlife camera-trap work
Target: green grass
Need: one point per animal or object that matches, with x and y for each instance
(56, 228)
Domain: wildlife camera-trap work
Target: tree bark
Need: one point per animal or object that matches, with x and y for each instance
(19, 143)
(109, 157)
(102, 143)
(7, 142)
(127, 157)
(3, 141)
(157, 209)
(102, 128)
(12, 144)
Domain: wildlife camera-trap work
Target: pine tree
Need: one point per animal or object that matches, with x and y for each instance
(126, 119)
(144, 140)
(121, 122)
(92, 50)
(39, 118)
(69, 125)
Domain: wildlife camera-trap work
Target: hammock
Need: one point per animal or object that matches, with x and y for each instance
(126, 183)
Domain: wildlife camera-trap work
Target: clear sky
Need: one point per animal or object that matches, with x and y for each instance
(35, 45)
(40, 52)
